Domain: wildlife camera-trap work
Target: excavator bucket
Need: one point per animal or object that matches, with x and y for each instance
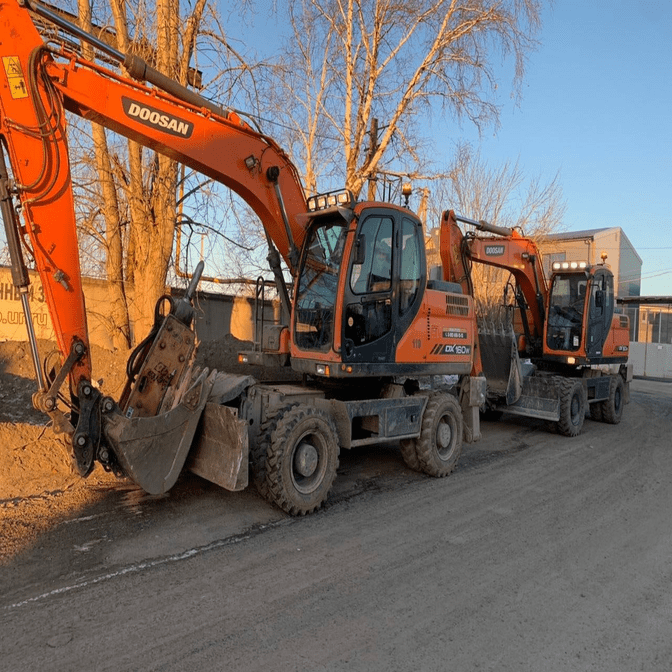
(153, 450)
(500, 361)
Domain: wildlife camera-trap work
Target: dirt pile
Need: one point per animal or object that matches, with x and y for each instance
(34, 460)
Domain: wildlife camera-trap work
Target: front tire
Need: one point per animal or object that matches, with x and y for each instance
(572, 407)
(409, 454)
(302, 460)
(259, 453)
(439, 445)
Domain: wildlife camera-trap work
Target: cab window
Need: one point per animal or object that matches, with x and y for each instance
(409, 275)
(374, 274)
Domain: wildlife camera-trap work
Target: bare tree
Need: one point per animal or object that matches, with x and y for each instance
(369, 68)
(150, 179)
(110, 210)
(131, 200)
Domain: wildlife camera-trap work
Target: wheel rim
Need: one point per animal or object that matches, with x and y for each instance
(309, 463)
(444, 437)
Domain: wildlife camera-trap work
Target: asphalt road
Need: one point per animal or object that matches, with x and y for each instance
(539, 553)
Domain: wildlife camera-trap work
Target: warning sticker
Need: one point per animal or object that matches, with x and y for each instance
(17, 83)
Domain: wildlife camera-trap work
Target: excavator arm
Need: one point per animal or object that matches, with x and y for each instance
(39, 82)
(510, 251)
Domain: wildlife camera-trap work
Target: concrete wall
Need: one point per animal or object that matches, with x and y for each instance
(221, 314)
(630, 269)
(216, 314)
(652, 360)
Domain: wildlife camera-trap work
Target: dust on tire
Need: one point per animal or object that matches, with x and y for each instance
(612, 408)
(572, 406)
(259, 451)
(295, 487)
(439, 445)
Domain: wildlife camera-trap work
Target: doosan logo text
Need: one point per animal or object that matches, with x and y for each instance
(157, 119)
(494, 250)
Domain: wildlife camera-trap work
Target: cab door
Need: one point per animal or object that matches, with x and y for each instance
(600, 311)
(383, 285)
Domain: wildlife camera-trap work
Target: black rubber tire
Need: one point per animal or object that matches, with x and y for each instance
(410, 455)
(440, 442)
(612, 408)
(312, 430)
(572, 406)
(258, 453)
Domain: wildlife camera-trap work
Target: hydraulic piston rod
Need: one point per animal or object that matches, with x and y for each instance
(20, 276)
(485, 226)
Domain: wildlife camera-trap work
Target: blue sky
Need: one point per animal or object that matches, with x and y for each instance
(596, 106)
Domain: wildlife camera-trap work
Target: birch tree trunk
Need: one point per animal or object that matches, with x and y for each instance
(118, 317)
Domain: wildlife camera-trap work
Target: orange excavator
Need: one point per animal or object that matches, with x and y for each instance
(565, 348)
(366, 326)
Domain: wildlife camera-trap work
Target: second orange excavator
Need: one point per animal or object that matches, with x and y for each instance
(564, 347)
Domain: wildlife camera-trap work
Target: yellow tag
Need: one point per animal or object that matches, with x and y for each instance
(17, 83)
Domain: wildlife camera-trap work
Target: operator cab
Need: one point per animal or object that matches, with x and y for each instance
(360, 304)
(581, 300)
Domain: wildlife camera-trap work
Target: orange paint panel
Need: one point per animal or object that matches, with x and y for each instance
(442, 333)
(617, 343)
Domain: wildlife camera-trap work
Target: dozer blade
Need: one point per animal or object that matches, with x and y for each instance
(152, 450)
(540, 399)
(221, 448)
(501, 363)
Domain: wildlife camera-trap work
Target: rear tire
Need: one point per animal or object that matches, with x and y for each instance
(612, 408)
(409, 454)
(439, 445)
(302, 460)
(572, 406)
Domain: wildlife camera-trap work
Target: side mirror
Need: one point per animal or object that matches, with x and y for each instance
(360, 249)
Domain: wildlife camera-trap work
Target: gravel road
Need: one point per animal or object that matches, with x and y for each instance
(539, 553)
